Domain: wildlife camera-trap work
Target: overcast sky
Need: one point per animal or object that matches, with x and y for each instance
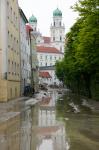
(43, 11)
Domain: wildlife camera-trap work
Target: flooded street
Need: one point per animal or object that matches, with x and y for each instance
(66, 122)
(50, 121)
(49, 132)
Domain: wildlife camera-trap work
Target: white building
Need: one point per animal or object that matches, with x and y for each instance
(25, 52)
(47, 57)
(50, 49)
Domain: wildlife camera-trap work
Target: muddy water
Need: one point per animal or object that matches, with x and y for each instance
(57, 122)
(65, 122)
(81, 118)
(48, 133)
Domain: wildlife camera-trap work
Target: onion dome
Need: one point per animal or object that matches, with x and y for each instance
(57, 13)
(32, 19)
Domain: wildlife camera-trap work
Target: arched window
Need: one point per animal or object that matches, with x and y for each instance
(61, 48)
(53, 38)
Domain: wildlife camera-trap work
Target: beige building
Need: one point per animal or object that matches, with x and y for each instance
(9, 50)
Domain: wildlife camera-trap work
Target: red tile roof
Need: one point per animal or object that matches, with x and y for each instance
(44, 75)
(45, 49)
(47, 39)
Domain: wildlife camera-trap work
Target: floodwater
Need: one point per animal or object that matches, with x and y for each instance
(59, 120)
(66, 122)
(49, 131)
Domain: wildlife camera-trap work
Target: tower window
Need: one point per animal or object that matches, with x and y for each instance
(53, 38)
(60, 48)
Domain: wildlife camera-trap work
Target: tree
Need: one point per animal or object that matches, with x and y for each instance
(81, 59)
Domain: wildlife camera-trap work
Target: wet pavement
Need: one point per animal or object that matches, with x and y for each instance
(53, 120)
(67, 122)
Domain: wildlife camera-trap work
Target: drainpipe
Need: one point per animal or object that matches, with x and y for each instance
(32, 78)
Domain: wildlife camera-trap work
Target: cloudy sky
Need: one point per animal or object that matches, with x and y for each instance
(43, 10)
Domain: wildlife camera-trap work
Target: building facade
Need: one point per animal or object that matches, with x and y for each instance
(10, 50)
(50, 49)
(25, 52)
(47, 57)
(33, 59)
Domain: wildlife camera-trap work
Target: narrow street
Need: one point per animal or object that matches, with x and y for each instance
(53, 120)
(61, 122)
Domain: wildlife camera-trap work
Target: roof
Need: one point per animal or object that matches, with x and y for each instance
(32, 19)
(47, 67)
(47, 39)
(28, 28)
(46, 49)
(44, 75)
(57, 13)
(23, 15)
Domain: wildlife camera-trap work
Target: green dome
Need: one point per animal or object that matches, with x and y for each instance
(32, 19)
(57, 12)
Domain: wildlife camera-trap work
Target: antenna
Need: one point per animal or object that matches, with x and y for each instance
(57, 3)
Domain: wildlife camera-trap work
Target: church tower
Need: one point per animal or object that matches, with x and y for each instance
(33, 22)
(57, 30)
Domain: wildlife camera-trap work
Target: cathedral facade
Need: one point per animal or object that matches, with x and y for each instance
(49, 49)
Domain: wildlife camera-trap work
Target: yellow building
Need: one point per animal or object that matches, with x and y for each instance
(9, 50)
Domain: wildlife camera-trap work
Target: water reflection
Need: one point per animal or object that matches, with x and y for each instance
(82, 126)
(52, 122)
(49, 133)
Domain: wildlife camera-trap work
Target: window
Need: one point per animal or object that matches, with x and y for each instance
(41, 57)
(15, 68)
(50, 57)
(60, 48)
(10, 92)
(46, 64)
(8, 10)
(54, 23)
(46, 57)
(9, 66)
(11, 13)
(60, 23)
(23, 63)
(12, 67)
(53, 38)
(60, 38)
(15, 91)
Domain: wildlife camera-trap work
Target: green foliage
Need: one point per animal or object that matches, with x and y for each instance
(81, 61)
